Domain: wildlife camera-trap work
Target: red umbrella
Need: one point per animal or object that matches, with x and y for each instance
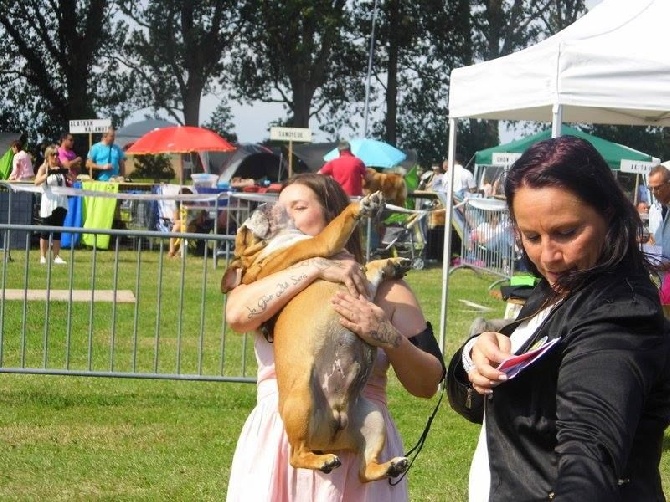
(180, 140)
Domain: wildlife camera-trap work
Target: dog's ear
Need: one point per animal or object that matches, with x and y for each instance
(243, 238)
(232, 278)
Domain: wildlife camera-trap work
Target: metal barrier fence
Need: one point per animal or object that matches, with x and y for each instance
(122, 309)
(487, 238)
(125, 311)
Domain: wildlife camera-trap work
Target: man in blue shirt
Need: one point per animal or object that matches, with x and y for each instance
(106, 158)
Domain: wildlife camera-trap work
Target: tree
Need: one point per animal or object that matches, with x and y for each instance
(156, 167)
(301, 53)
(177, 51)
(56, 66)
(650, 140)
(221, 122)
(419, 43)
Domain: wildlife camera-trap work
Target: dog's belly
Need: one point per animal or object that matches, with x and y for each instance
(316, 355)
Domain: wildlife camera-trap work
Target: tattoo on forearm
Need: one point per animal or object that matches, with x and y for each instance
(387, 335)
(262, 306)
(298, 279)
(281, 288)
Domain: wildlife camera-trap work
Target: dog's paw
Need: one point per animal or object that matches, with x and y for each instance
(333, 462)
(385, 269)
(396, 268)
(372, 204)
(397, 466)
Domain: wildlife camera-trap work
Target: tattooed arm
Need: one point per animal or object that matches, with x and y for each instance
(389, 325)
(248, 306)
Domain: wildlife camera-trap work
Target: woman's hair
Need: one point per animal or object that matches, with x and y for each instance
(573, 164)
(51, 149)
(17, 144)
(333, 199)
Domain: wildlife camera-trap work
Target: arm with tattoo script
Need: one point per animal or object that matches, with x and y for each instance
(248, 306)
(389, 324)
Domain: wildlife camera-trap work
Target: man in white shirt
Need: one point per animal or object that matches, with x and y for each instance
(464, 181)
(659, 220)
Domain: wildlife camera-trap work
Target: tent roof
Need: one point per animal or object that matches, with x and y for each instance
(252, 160)
(6, 139)
(610, 66)
(612, 152)
(135, 130)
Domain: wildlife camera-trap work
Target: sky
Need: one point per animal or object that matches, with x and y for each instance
(251, 121)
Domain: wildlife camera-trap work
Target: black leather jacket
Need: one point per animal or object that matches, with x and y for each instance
(586, 421)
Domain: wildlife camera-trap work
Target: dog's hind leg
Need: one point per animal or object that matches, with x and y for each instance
(295, 411)
(372, 439)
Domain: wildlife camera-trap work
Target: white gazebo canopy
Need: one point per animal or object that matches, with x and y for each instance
(611, 66)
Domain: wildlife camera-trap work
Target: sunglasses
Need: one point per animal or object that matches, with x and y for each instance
(53, 155)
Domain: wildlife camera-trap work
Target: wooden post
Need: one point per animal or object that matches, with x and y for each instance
(183, 215)
(290, 159)
(90, 144)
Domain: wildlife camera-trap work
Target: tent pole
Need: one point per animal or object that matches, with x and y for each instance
(556, 120)
(446, 253)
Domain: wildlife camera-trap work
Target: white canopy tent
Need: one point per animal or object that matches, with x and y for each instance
(611, 66)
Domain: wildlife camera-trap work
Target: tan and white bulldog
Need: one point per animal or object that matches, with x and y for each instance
(321, 366)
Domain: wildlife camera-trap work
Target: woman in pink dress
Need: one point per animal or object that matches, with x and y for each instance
(261, 469)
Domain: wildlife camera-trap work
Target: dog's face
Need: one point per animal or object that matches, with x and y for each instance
(266, 222)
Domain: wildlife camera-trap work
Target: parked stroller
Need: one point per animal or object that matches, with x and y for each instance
(404, 235)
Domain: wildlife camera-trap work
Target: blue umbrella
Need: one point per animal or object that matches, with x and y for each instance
(373, 153)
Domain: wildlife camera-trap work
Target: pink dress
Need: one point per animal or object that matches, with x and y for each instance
(261, 471)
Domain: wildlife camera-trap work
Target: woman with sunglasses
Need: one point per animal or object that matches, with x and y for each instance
(53, 206)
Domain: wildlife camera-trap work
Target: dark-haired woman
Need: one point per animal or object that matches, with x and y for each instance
(261, 469)
(585, 420)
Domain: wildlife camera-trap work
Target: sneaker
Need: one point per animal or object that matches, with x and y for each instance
(43, 260)
(59, 261)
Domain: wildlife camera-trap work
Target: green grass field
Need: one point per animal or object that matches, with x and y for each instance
(78, 438)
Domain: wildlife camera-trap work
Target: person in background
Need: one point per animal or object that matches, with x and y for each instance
(432, 180)
(53, 207)
(200, 224)
(348, 170)
(261, 469)
(67, 156)
(464, 181)
(106, 158)
(659, 221)
(22, 166)
(586, 420)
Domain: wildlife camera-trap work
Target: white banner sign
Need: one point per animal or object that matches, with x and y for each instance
(504, 158)
(290, 134)
(636, 166)
(90, 126)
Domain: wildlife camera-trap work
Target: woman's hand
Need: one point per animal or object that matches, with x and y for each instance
(344, 269)
(366, 319)
(488, 352)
